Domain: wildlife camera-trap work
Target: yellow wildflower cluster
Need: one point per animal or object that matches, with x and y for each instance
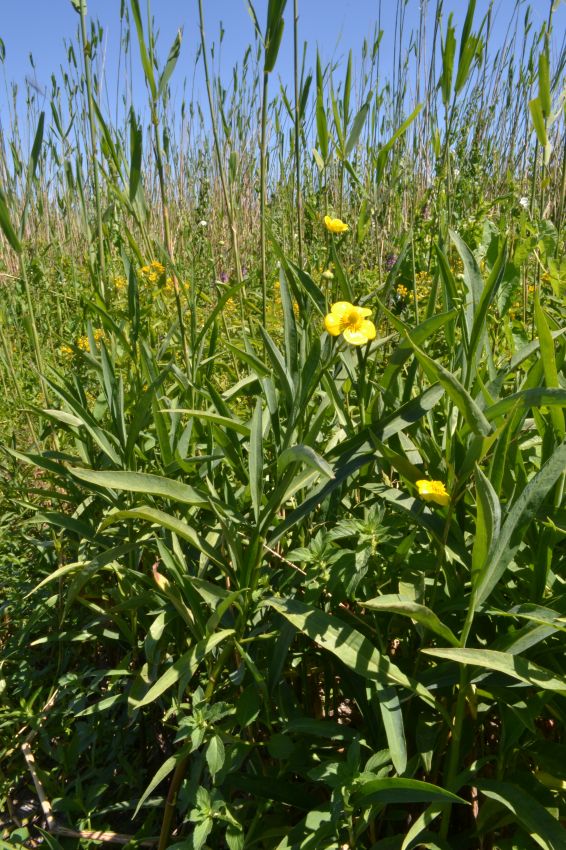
(423, 281)
(119, 282)
(152, 272)
(83, 341)
(230, 307)
(66, 350)
(401, 291)
(458, 266)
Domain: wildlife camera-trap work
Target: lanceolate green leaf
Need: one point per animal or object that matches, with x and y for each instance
(397, 604)
(356, 130)
(488, 521)
(503, 662)
(472, 414)
(392, 716)
(6, 225)
(348, 644)
(164, 520)
(548, 358)
(170, 64)
(400, 790)
(142, 482)
(184, 667)
(306, 455)
(525, 399)
(533, 817)
(521, 511)
(256, 459)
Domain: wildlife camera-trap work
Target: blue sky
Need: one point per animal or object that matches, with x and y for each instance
(40, 28)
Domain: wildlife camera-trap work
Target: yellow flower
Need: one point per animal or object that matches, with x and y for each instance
(83, 343)
(433, 491)
(66, 350)
(345, 318)
(335, 225)
(402, 291)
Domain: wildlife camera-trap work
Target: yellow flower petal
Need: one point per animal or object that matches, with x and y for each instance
(342, 309)
(355, 337)
(333, 324)
(369, 329)
(335, 225)
(433, 491)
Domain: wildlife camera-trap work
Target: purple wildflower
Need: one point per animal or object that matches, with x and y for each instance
(390, 261)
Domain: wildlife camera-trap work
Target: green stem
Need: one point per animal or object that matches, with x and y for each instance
(297, 131)
(227, 202)
(88, 77)
(454, 751)
(262, 199)
(183, 763)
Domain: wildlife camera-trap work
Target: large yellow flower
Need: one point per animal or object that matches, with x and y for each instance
(433, 491)
(345, 318)
(335, 225)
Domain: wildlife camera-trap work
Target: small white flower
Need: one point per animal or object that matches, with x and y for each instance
(524, 201)
(456, 173)
(203, 223)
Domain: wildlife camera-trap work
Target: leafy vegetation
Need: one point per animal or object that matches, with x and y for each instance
(283, 530)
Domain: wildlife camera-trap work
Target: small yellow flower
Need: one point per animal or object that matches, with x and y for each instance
(351, 321)
(83, 343)
(402, 291)
(335, 225)
(66, 350)
(433, 491)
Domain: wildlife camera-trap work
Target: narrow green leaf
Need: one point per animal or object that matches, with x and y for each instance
(548, 358)
(6, 225)
(215, 418)
(163, 520)
(349, 645)
(256, 459)
(185, 666)
(488, 522)
(308, 456)
(400, 790)
(170, 64)
(503, 662)
(520, 513)
(396, 604)
(534, 818)
(392, 716)
(356, 130)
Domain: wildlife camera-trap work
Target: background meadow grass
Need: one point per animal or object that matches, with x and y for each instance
(212, 543)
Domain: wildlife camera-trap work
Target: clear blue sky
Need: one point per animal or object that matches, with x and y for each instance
(40, 28)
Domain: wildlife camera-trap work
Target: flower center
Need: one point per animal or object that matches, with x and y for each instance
(354, 320)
